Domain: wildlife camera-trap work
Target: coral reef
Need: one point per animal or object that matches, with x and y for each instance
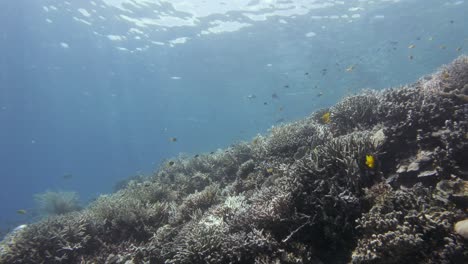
(381, 177)
(57, 203)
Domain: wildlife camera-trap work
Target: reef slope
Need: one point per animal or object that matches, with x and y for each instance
(381, 177)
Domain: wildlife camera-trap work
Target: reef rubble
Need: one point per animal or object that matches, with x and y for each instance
(383, 178)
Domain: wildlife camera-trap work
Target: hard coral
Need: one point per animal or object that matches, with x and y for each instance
(383, 182)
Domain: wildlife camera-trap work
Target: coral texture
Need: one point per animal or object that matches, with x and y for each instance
(382, 179)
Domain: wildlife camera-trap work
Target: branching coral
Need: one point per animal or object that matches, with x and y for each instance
(355, 112)
(408, 226)
(57, 203)
(285, 140)
(381, 179)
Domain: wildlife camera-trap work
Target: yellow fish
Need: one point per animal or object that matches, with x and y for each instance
(326, 118)
(370, 161)
(270, 170)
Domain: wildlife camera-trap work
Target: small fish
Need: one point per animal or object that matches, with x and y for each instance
(212, 152)
(350, 68)
(459, 49)
(280, 120)
(418, 38)
(412, 46)
(196, 156)
(67, 176)
(21, 212)
(319, 94)
(442, 47)
(306, 73)
(430, 38)
(286, 86)
(410, 57)
(173, 139)
(265, 103)
(326, 118)
(251, 96)
(270, 170)
(324, 72)
(370, 161)
(274, 96)
(281, 108)
(451, 21)
(170, 163)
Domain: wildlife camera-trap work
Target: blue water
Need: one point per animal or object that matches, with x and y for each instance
(74, 100)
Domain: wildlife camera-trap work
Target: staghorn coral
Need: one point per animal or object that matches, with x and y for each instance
(197, 201)
(408, 226)
(56, 203)
(306, 193)
(285, 140)
(355, 112)
(54, 240)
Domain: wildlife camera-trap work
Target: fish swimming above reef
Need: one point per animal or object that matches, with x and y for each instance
(21, 212)
(368, 183)
(350, 68)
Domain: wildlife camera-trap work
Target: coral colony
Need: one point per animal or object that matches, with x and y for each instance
(381, 177)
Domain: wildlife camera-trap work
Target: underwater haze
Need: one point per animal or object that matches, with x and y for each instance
(94, 92)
